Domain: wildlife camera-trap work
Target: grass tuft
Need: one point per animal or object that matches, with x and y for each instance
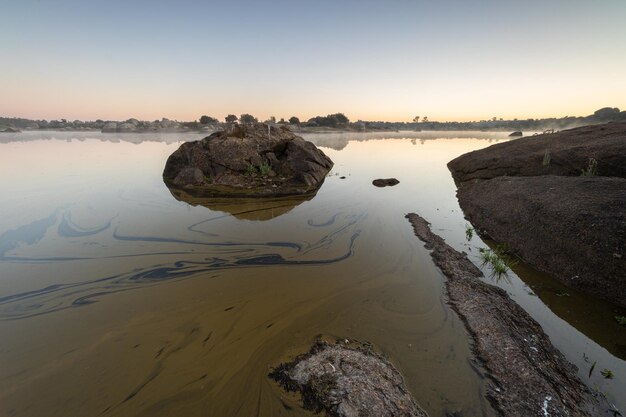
(498, 260)
(250, 170)
(607, 373)
(592, 169)
(264, 169)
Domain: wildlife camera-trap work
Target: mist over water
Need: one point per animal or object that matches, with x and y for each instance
(119, 298)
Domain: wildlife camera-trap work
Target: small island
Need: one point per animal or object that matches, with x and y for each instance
(248, 160)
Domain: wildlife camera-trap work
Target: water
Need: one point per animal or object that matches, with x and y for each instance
(119, 297)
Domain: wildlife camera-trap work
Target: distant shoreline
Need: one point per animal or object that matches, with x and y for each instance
(333, 123)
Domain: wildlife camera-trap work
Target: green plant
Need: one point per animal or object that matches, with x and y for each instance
(264, 169)
(621, 320)
(250, 169)
(469, 233)
(546, 158)
(607, 373)
(592, 169)
(498, 260)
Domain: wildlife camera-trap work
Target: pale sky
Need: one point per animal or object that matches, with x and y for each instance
(372, 60)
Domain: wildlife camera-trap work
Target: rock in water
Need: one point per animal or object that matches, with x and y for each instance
(385, 182)
(248, 161)
(348, 382)
(515, 134)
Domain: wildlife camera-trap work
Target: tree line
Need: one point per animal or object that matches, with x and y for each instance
(339, 120)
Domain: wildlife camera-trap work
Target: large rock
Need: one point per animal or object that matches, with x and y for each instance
(562, 153)
(569, 225)
(573, 228)
(251, 160)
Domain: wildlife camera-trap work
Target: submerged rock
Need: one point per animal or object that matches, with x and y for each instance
(516, 134)
(248, 160)
(385, 182)
(347, 382)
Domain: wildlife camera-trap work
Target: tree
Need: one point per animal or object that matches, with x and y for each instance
(282, 120)
(205, 120)
(332, 120)
(294, 120)
(231, 118)
(416, 119)
(425, 119)
(247, 119)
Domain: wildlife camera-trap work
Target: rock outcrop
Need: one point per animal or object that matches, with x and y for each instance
(248, 160)
(573, 228)
(558, 201)
(563, 153)
(347, 382)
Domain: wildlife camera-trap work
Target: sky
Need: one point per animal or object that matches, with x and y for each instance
(372, 60)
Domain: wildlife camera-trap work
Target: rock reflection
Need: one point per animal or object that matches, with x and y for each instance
(254, 209)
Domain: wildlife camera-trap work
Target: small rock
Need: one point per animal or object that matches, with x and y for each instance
(385, 182)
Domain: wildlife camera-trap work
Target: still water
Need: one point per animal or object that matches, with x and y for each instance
(118, 298)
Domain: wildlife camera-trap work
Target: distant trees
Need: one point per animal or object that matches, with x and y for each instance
(332, 120)
(205, 120)
(425, 119)
(294, 120)
(231, 118)
(416, 119)
(248, 119)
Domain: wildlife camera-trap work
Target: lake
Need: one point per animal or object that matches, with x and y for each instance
(118, 299)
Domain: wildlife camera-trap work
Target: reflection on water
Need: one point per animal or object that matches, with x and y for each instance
(256, 209)
(593, 317)
(118, 299)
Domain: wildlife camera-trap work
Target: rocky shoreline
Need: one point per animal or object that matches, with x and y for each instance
(529, 377)
(557, 201)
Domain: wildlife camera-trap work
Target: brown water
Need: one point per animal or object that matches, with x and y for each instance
(118, 299)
